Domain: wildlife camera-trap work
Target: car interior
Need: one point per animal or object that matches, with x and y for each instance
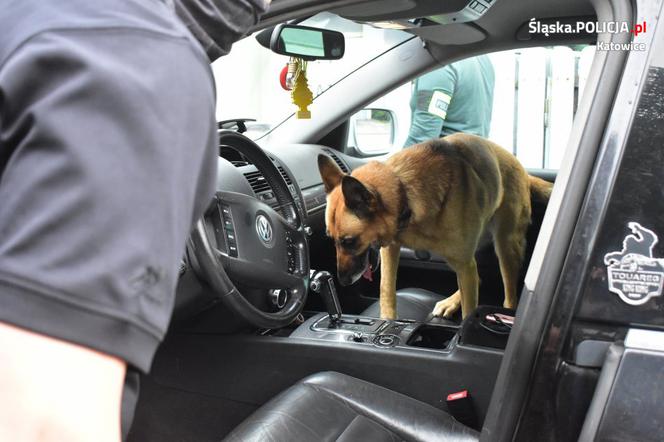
(265, 344)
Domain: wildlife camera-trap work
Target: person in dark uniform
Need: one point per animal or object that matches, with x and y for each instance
(455, 98)
(107, 157)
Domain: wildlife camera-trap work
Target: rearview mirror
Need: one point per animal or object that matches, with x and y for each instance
(307, 42)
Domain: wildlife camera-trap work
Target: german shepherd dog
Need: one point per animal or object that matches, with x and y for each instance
(441, 196)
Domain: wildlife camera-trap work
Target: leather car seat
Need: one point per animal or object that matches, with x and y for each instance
(412, 303)
(331, 406)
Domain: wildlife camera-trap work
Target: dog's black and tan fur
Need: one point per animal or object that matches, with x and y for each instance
(441, 196)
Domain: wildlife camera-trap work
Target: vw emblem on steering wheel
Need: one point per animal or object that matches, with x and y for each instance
(264, 229)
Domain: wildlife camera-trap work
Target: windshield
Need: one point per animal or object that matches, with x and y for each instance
(247, 79)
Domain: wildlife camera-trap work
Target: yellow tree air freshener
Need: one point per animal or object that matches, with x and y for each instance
(301, 95)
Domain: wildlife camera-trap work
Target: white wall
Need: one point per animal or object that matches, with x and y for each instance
(526, 120)
(247, 79)
(544, 104)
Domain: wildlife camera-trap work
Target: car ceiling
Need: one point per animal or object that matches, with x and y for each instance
(498, 24)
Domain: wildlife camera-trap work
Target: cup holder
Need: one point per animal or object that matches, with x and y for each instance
(432, 336)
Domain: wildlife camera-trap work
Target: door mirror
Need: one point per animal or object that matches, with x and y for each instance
(372, 131)
(307, 42)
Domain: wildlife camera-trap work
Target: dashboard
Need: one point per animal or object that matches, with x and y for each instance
(298, 165)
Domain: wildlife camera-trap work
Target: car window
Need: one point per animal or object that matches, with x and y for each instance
(247, 79)
(535, 96)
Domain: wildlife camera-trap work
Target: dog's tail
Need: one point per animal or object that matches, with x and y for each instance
(540, 190)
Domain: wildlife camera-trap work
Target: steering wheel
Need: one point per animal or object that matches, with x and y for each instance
(242, 239)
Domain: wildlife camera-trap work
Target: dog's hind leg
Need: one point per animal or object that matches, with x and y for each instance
(469, 285)
(509, 239)
(389, 263)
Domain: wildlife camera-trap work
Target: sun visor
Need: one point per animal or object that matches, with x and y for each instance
(407, 13)
(454, 34)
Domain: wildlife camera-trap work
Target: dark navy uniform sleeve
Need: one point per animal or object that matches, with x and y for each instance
(107, 157)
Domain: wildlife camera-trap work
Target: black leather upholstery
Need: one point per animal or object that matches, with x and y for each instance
(331, 406)
(414, 304)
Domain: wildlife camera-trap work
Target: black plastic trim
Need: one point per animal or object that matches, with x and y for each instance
(514, 383)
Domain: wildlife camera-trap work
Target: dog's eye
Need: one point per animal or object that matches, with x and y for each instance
(348, 242)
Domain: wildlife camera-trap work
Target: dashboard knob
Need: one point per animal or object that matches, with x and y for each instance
(386, 340)
(278, 297)
(315, 285)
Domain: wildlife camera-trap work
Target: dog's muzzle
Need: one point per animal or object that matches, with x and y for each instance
(364, 264)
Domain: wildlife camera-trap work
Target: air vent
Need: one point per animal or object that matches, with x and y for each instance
(337, 160)
(285, 175)
(257, 181)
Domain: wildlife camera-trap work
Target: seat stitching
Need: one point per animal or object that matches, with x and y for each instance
(417, 302)
(393, 436)
(290, 417)
(337, 399)
(350, 405)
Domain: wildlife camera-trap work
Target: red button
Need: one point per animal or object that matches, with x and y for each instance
(459, 395)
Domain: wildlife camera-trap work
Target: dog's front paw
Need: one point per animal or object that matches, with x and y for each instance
(448, 306)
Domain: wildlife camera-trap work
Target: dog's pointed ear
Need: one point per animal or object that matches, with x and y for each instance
(330, 172)
(359, 200)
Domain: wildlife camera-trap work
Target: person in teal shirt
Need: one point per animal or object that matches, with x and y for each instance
(455, 98)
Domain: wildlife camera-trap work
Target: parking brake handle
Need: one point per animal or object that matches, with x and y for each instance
(323, 283)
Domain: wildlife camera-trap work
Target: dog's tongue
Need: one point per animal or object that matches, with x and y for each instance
(368, 274)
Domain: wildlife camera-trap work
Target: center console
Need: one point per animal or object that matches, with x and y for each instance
(484, 328)
(378, 332)
(476, 330)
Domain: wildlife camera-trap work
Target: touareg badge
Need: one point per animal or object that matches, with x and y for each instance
(634, 274)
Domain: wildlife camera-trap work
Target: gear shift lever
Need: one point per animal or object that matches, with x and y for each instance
(323, 284)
